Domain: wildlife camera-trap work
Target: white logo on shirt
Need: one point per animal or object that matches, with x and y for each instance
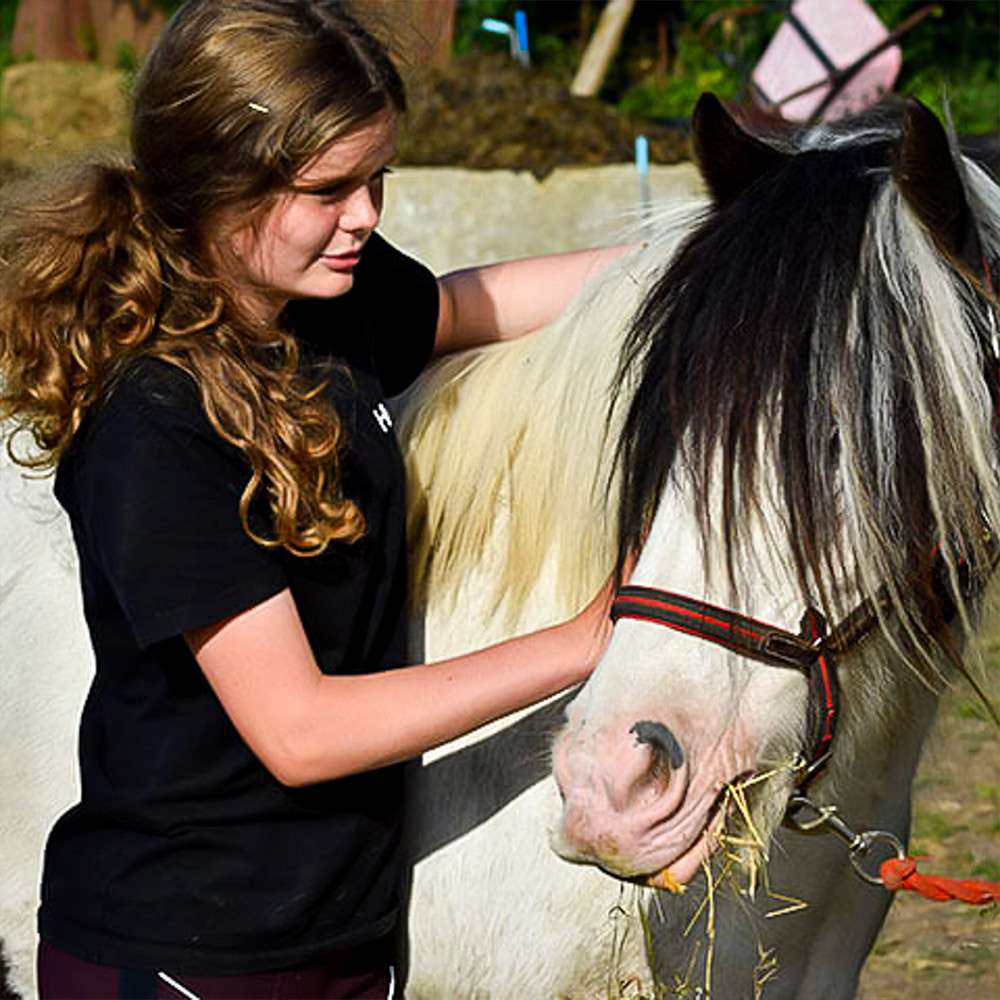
(382, 417)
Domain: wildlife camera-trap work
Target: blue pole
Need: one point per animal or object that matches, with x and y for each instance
(642, 169)
(521, 27)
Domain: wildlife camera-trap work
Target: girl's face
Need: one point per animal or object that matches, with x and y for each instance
(308, 244)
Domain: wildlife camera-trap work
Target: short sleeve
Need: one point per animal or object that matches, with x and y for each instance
(158, 492)
(401, 296)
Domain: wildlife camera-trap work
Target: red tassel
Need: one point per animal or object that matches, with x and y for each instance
(901, 873)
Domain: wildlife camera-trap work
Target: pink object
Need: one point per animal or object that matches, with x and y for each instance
(842, 31)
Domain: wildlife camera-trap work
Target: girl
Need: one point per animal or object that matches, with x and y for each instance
(200, 342)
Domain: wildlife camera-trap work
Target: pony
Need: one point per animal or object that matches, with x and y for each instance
(782, 405)
(783, 398)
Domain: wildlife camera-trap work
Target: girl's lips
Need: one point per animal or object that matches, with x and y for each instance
(341, 262)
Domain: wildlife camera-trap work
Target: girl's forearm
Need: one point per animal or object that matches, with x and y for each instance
(384, 718)
(307, 726)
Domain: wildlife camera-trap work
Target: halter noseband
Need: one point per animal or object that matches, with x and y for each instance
(810, 652)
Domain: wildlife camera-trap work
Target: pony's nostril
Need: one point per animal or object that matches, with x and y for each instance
(660, 738)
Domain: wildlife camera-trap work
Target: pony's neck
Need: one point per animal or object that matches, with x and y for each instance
(510, 451)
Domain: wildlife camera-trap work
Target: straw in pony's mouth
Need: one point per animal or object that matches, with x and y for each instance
(739, 865)
(744, 847)
(741, 853)
(730, 798)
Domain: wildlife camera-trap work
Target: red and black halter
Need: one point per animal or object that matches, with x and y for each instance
(810, 652)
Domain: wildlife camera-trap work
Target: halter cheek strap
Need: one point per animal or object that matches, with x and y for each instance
(809, 652)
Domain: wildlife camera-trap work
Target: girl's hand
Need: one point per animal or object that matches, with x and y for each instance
(594, 623)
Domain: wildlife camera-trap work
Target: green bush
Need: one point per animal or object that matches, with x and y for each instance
(8, 11)
(951, 57)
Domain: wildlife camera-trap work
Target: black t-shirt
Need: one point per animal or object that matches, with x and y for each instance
(185, 853)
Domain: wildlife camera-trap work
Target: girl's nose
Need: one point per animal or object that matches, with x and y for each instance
(362, 209)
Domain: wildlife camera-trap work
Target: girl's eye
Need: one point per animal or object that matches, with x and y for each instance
(333, 193)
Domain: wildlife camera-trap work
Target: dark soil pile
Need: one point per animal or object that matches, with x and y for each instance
(481, 111)
(490, 112)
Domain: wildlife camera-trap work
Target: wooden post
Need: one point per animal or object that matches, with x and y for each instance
(602, 48)
(437, 19)
(662, 47)
(418, 32)
(53, 29)
(84, 30)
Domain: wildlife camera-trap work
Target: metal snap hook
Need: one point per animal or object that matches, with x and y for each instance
(865, 842)
(807, 816)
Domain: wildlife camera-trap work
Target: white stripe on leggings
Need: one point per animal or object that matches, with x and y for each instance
(173, 984)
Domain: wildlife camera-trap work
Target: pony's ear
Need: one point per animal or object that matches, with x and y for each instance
(729, 159)
(928, 178)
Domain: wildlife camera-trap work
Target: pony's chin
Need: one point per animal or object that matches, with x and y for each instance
(675, 874)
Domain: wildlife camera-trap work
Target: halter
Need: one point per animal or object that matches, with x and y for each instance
(811, 651)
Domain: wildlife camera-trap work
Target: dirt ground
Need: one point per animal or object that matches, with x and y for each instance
(928, 950)
(489, 113)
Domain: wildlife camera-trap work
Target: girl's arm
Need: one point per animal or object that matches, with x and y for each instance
(306, 726)
(481, 305)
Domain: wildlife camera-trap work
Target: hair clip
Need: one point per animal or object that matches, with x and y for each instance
(259, 108)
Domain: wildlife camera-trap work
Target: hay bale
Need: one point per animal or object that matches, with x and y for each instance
(50, 111)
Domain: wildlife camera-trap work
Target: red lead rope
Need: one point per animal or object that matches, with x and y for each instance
(901, 873)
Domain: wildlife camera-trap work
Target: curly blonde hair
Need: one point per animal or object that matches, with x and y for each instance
(110, 259)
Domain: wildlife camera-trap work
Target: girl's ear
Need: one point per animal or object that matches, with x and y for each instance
(728, 158)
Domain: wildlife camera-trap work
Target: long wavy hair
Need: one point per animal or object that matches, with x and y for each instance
(110, 259)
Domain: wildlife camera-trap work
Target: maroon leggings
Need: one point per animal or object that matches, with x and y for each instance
(363, 973)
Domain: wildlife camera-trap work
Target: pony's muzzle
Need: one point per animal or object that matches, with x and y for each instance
(617, 789)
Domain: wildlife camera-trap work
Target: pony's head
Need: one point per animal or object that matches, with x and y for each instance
(812, 426)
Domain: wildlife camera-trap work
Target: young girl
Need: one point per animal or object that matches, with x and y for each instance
(200, 342)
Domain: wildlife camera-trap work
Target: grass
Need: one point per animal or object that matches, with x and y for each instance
(934, 827)
(988, 869)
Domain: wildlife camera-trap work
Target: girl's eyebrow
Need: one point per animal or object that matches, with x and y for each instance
(337, 181)
(329, 181)
(331, 184)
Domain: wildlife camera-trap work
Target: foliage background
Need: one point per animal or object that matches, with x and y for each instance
(951, 58)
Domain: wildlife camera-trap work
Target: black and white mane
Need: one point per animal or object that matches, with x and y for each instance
(831, 320)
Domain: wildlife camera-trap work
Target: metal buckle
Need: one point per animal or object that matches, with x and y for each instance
(859, 844)
(865, 842)
(788, 648)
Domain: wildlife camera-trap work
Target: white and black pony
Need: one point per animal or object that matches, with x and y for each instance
(783, 400)
(785, 403)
